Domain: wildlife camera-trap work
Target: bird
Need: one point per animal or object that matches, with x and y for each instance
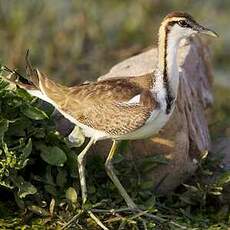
(127, 108)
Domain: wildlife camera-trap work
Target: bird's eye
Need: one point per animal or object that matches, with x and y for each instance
(182, 23)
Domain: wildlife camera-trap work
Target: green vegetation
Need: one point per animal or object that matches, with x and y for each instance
(74, 41)
(39, 177)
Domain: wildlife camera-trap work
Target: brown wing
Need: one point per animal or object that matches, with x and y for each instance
(119, 89)
(103, 105)
(146, 81)
(111, 117)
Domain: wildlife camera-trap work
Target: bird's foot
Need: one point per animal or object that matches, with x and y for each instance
(86, 207)
(97, 220)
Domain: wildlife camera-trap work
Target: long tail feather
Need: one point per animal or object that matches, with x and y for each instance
(38, 84)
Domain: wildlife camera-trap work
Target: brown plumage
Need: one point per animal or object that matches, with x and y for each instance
(102, 105)
(179, 14)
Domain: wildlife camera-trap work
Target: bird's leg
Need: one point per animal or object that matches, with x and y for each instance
(113, 177)
(81, 169)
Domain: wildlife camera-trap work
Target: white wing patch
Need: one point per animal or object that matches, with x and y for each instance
(135, 99)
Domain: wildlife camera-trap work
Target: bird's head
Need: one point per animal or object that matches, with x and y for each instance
(181, 25)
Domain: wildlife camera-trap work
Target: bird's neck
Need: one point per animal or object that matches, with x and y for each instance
(167, 76)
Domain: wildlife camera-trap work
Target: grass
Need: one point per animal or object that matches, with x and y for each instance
(220, 119)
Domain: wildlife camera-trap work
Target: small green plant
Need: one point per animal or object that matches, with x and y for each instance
(36, 162)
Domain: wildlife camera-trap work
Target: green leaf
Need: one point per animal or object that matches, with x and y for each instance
(53, 155)
(33, 112)
(24, 94)
(61, 178)
(118, 158)
(216, 193)
(92, 189)
(24, 188)
(4, 124)
(149, 203)
(20, 202)
(51, 189)
(71, 163)
(191, 188)
(3, 84)
(159, 158)
(38, 210)
(19, 126)
(48, 175)
(147, 185)
(71, 194)
(149, 163)
(76, 137)
(27, 150)
(224, 179)
(6, 183)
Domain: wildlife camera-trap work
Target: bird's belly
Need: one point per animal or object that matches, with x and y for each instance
(88, 131)
(156, 121)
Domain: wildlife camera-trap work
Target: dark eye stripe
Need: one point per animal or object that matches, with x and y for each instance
(183, 23)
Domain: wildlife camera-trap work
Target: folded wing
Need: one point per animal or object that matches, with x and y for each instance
(105, 105)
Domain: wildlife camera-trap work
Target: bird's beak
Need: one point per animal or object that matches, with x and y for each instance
(208, 32)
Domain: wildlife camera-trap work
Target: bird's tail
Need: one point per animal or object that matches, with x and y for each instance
(39, 85)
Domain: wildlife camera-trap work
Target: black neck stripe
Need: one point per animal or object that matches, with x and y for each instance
(169, 98)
